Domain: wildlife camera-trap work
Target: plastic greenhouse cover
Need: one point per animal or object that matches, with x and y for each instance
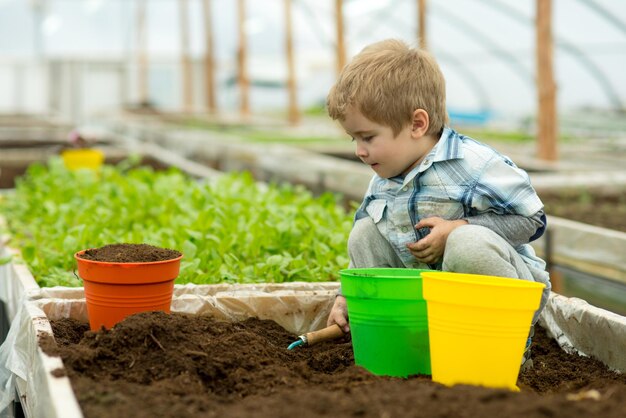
(582, 328)
(15, 281)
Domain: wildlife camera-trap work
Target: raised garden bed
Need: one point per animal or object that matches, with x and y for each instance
(230, 229)
(15, 163)
(337, 170)
(159, 365)
(603, 208)
(43, 385)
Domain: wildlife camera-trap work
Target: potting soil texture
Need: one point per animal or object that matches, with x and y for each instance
(129, 253)
(158, 365)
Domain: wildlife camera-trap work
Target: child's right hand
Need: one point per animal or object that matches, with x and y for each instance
(339, 314)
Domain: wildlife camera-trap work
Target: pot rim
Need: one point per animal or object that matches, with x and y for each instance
(109, 263)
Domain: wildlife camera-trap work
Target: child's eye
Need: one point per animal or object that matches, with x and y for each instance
(368, 138)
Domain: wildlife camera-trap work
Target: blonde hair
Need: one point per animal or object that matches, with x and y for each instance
(387, 81)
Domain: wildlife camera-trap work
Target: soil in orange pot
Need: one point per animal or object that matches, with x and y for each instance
(129, 253)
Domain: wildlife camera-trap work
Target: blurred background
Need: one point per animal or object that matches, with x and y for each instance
(240, 85)
(77, 59)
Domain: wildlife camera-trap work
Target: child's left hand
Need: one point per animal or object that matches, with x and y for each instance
(429, 250)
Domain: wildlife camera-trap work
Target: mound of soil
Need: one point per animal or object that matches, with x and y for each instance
(159, 365)
(129, 253)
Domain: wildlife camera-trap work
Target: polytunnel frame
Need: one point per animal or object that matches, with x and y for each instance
(510, 60)
(595, 71)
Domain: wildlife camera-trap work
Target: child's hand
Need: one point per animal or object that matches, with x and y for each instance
(430, 249)
(339, 314)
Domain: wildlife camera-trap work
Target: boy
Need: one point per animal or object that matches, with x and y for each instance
(438, 199)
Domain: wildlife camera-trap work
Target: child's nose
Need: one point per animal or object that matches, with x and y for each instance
(360, 152)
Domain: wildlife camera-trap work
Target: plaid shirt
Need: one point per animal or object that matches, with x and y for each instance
(459, 178)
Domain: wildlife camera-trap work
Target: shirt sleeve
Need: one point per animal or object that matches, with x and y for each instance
(505, 189)
(515, 229)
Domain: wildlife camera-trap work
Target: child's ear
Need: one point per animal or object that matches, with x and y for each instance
(420, 123)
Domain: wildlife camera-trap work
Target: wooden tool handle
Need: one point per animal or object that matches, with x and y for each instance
(329, 333)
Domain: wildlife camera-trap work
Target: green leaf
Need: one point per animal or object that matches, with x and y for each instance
(189, 249)
(274, 260)
(70, 243)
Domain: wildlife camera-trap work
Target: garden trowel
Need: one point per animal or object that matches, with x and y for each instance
(314, 337)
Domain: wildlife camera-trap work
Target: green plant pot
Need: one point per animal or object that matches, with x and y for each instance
(388, 320)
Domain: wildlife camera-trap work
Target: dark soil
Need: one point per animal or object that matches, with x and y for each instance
(129, 253)
(603, 209)
(159, 365)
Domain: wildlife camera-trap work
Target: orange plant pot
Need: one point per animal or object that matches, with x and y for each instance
(114, 291)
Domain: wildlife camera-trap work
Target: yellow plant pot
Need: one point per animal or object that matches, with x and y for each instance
(75, 159)
(478, 326)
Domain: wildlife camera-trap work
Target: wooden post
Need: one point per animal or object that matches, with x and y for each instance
(185, 57)
(142, 54)
(341, 49)
(547, 125)
(421, 29)
(209, 61)
(242, 73)
(293, 115)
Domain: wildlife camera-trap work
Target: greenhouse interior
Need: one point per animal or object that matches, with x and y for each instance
(345, 208)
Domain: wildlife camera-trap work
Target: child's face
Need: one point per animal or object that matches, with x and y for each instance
(377, 147)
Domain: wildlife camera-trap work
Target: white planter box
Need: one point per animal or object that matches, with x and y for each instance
(16, 282)
(25, 368)
(298, 307)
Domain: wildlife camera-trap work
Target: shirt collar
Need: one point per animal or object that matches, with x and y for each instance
(447, 148)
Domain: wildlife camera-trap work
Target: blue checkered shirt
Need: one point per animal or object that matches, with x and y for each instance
(459, 178)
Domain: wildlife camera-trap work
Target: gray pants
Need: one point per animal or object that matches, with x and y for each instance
(469, 249)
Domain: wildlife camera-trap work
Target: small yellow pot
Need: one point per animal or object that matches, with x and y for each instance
(75, 159)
